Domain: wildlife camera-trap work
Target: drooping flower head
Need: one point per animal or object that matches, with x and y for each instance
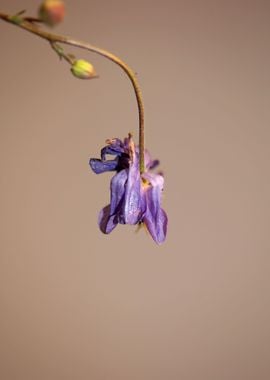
(135, 197)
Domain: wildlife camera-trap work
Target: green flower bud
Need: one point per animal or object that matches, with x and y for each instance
(83, 70)
(52, 12)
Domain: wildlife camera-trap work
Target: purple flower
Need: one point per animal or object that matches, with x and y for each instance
(135, 197)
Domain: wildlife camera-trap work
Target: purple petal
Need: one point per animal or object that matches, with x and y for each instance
(109, 215)
(118, 184)
(155, 217)
(99, 166)
(105, 221)
(153, 164)
(115, 147)
(133, 203)
(149, 163)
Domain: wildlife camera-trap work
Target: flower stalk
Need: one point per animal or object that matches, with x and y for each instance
(28, 24)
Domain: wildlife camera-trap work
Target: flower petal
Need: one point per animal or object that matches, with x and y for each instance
(115, 147)
(109, 215)
(105, 221)
(133, 202)
(149, 163)
(118, 184)
(155, 217)
(99, 166)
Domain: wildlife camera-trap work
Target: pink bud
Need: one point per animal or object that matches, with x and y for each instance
(52, 12)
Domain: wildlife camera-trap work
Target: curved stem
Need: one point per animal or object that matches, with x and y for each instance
(54, 38)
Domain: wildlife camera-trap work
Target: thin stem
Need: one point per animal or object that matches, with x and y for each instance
(32, 19)
(54, 38)
(60, 51)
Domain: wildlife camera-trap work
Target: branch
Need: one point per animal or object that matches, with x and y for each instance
(28, 23)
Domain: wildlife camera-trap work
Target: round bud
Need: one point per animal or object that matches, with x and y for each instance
(52, 12)
(83, 70)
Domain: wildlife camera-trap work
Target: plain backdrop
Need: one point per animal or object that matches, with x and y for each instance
(77, 304)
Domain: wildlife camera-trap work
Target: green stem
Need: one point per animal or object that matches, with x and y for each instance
(60, 52)
(54, 38)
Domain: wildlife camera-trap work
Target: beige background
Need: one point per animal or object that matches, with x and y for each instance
(76, 304)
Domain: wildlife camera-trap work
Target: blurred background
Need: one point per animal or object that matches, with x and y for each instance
(76, 304)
